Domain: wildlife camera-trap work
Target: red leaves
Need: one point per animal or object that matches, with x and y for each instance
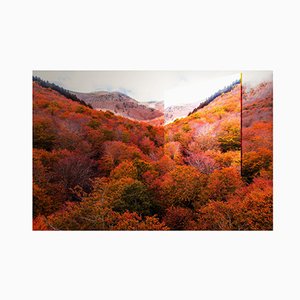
(123, 170)
(132, 221)
(127, 175)
(184, 186)
(202, 162)
(251, 208)
(223, 183)
(179, 218)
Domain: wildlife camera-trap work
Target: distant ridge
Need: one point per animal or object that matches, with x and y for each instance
(121, 104)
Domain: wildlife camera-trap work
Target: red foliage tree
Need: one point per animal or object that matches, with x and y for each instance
(179, 218)
(223, 183)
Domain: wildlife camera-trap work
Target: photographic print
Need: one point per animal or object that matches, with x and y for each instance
(152, 150)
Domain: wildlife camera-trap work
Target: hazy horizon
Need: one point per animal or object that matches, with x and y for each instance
(174, 88)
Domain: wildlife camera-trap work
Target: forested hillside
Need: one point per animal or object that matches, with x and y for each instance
(257, 131)
(94, 170)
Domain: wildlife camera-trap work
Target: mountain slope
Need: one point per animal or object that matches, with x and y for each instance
(93, 170)
(257, 131)
(202, 128)
(120, 104)
(220, 92)
(178, 111)
(158, 105)
(59, 89)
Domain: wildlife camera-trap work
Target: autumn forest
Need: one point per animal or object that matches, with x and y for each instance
(94, 169)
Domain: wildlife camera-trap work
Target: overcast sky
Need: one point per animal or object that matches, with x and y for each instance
(173, 87)
(253, 78)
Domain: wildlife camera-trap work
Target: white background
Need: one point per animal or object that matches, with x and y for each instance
(186, 35)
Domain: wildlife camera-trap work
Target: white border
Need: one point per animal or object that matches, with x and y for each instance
(172, 35)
